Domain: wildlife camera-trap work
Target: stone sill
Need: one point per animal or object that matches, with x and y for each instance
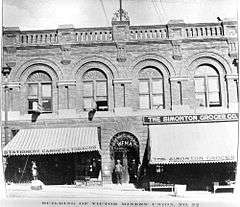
(122, 112)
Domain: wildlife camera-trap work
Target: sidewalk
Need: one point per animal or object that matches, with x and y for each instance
(110, 196)
(106, 191)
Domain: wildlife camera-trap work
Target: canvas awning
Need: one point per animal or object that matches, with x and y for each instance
(193, 143)
(53, 141)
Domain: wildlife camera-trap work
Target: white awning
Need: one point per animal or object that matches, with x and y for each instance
(53, 141)
(193, 143)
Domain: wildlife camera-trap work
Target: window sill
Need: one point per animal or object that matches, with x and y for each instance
(218, 109)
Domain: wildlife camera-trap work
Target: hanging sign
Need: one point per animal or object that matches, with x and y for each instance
(176, 119)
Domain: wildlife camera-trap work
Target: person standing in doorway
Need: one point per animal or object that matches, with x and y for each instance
(119, 172)
(133, 170)
(34, 170)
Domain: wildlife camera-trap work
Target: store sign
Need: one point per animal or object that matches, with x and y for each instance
(176, 119)
(49, 151)
(193, 159)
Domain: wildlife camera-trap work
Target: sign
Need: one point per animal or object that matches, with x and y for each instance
(177, 119)
(194, 159)
(49, 151)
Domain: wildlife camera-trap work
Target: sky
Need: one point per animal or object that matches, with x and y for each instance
(48, 14)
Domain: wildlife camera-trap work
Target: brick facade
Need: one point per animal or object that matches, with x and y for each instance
(120, 51)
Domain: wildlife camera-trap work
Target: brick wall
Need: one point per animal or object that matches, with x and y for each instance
(176, 56)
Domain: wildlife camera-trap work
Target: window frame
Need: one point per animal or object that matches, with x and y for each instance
(207, 91)
(39, 96)
(150, 93)
(94, 96)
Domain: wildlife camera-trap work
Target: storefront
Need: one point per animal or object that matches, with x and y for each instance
(62, 155)
(196, 150)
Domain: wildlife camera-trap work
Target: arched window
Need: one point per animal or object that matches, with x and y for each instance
(207, 86)
(95, 90)
(39, 92)
(151, 94)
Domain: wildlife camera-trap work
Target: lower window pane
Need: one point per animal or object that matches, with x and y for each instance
(47, 105)
(144, 102)
(102, 105)
(201, 100)
(157, 101)
(32, 104)
(214, 98)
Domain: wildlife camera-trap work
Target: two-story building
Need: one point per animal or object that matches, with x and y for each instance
(164, 96)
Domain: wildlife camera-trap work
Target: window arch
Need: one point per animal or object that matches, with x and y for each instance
(95, 93)
(207, 86)
(39, 89)
(151, 92)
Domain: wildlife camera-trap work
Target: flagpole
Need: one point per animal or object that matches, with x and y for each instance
(120, 10)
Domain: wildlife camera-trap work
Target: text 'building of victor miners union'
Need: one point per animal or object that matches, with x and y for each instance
(160, 98)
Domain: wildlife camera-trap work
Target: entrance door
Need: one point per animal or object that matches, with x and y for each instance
(125, 147)
(122, 156)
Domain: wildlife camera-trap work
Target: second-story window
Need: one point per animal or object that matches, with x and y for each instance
(151, 94)
(207, 86)
(39, 85)
(95, 90)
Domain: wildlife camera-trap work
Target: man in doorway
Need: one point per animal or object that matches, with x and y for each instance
(119, 171)
(34, 170)
(133, 171)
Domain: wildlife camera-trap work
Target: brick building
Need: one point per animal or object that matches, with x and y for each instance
(165, 96)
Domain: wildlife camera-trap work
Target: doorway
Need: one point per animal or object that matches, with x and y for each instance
(125, 147)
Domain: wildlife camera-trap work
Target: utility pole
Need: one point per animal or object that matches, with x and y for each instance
(6, 71)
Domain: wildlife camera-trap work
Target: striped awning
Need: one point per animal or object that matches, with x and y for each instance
(53, 141)
(193, 143)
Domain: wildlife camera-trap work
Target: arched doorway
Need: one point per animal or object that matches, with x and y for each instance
(124, 146)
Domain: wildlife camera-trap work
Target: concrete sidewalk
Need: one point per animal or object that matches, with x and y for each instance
(106, 191)
(114, 195)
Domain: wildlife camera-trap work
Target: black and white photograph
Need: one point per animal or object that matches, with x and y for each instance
(119, 103)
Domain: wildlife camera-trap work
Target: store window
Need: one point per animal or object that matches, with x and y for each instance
(95, 90)
(151, 92)
(207, 86)
(39, 92)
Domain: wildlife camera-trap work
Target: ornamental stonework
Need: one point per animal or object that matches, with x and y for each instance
(176, 50)
(121, 53)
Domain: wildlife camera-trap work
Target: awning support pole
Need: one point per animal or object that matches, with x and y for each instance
(23, 169)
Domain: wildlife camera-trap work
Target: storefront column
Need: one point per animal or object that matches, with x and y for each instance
(107, 169)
